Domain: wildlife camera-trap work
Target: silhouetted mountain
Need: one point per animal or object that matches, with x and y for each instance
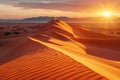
(36, 19)
(46, 19)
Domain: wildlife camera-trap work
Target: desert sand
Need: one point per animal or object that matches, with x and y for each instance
(60, 52)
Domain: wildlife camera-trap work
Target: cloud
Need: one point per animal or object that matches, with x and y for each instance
(64, 5)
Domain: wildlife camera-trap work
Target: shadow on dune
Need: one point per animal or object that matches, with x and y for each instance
(17, 48)
(99, 45)
(51, 31)
(44, 38)
(107, 49)
(85, 33)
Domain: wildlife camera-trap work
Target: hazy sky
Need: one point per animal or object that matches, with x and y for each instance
(71, 8)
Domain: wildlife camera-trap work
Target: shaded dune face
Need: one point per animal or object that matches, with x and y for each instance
(54, 27)
(84, 33)
(106, 49)
(14, 48)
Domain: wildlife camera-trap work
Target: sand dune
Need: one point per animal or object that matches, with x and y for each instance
(60, 52)
(30, 60)
(100, 49)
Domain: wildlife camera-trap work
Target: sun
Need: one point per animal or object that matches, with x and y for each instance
(107, 14)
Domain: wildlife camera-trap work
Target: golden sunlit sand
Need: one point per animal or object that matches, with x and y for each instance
(60, 52)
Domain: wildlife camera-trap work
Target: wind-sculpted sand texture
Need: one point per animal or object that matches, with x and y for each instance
(25, 62)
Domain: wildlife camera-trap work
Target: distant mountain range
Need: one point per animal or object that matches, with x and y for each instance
(46, 19)
(36, 19)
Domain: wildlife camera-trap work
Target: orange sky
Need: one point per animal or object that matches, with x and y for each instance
(17, 12)
(70, 8)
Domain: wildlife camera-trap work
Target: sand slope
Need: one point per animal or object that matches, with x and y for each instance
(29, 60)
(96, 51)
(60, 52)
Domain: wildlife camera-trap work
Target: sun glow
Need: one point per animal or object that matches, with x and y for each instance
(108, 18)
(107, 14)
